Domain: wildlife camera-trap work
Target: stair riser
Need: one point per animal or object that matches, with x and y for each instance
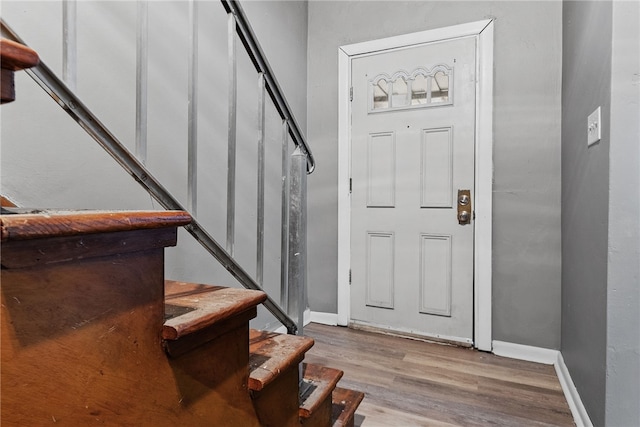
(321, 417)
(81, 345)
(194, 341)
(213, 379)
(277, 404)
(345, 403)
(72, 333)
(64, 249)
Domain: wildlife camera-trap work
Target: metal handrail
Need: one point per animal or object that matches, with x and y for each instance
(64, 97)
(250, 42)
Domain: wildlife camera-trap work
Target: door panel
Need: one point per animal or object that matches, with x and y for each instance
(435, 274)
(412, 148)
(436, 168)
(381, 170)
(380, 269)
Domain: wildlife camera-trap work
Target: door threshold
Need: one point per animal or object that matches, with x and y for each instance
(386, 330)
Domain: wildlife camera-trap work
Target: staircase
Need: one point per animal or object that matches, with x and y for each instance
(92, 333)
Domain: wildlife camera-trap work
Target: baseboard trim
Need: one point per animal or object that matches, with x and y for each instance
(330, 319)
(525, 352)
(307, 319)
(280, 330)
(579, 412)
(549, 357)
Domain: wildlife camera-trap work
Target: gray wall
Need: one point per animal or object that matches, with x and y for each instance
(585, 198)
(623, 292)
(600, 210)
(281, 28)
(48, 161)
(526, 257)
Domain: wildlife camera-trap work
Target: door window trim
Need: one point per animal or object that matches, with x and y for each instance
(409, 78)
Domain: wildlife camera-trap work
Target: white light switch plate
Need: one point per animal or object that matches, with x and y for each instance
(594, 127)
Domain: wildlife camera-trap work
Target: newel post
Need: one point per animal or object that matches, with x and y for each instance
(297, 285)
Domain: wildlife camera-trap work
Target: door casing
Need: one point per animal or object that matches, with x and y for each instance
(483, 32)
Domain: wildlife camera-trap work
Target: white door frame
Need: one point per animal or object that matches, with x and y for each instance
(483, 32)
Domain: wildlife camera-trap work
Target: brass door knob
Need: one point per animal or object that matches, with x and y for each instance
(464, 207)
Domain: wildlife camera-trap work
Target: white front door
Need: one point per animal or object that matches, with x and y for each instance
(412, 150)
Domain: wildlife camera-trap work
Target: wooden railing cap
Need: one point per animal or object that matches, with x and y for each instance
(15, 56)
(52, 223)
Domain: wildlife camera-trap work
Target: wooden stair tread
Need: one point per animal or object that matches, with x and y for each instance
(324, 380)
(345, 402)
(192, 307)
(271, 353)
(44, 224)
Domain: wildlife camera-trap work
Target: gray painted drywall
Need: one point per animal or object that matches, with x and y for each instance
(281, 28)
(600, 209)
(585, 199)
(48, 161)
(623, 272)
(526, 239)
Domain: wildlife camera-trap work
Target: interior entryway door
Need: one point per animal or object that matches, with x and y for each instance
(412, 150)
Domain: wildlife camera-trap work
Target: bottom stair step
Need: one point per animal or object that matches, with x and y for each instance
(273, 376)
(345, 403)
(272, 354)
(315, 408)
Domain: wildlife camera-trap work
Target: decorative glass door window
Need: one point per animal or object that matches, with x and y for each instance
(402, 90)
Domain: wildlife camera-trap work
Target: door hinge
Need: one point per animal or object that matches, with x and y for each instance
(350, 185)
(351, 93)
(349, 276)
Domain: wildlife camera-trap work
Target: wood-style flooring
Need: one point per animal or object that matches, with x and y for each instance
(414, 383)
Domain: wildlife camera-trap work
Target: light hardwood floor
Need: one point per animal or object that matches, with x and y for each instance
(413, 383)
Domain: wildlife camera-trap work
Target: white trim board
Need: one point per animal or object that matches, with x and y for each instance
(579, 412)
(483, 32)
(525, 352)
(330, 319)
(549, 357)
(428, 36)
(306, 319)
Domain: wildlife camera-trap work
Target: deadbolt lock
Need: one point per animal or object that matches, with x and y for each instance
(464, 207)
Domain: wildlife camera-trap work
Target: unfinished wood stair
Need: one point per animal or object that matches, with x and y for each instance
(93, 333)
(344, 405)
(197, 314)
(275, 388)
(273, 376)
(316, 407)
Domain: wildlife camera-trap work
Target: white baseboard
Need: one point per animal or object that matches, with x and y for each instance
(307, 319)
(549, 357)
(330, 319)
(281, 330)
(579, 412)
(525, 352)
